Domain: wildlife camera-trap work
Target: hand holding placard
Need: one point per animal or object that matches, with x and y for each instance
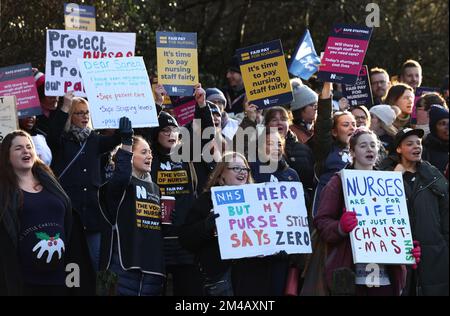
(416, 253)
(67, 104)
(159, 93)
(210, 222)
(200, 95)
(348, 222)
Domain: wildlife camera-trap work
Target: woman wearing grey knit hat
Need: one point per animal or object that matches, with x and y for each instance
(382, 119)
(304, 110)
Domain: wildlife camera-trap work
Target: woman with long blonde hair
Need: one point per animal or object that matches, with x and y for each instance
(77, 150)
(198, 233)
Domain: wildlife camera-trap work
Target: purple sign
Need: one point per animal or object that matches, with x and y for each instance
(360, 93)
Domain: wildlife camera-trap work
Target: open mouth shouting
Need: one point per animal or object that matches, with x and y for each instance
(241, 177)
(27, 159)
(370, 157)
(417, 153)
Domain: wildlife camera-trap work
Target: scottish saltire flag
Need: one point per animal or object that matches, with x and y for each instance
(305, 62)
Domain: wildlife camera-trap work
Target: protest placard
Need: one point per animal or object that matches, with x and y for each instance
(18, 80)
(118, 87)
(361, 92)
(8, 116)
(79, 17)
(65, 47)
(184, 109)
(261, 219)
(177, 62)
(305, 61)
(344, 53)
(383, 234)
(265, 74)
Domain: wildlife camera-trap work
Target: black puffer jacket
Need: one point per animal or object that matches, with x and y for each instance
(428, 212)
(195, 236)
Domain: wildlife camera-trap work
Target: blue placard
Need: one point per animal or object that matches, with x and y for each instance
(176, 40)
(229, 197)
(83, 11)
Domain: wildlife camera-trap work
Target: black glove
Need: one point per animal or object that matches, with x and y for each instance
(210, 222)
(125, 131)
(298, 260)
(282, 255)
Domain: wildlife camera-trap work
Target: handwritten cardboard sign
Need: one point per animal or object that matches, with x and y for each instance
(261, 219)
(344, 53)
(118, 87)
(177, 62)
(361, 92)
(8, 116)
(265, 74)
(79, 17)
(18, 80)
(65, 47)
(383, 234)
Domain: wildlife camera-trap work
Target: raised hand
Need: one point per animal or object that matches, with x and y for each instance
(160, 93)
(67, 104)
(125, 131)
(200, 95)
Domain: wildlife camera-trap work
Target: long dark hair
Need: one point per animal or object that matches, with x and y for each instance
(9, 182)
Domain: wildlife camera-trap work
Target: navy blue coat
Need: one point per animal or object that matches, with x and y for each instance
(82, 180)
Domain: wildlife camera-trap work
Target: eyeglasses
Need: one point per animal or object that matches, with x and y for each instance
(360, 117)
(166, 131)
(238, 170)
(81, 113)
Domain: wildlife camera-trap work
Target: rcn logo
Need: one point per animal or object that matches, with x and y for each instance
(266, 102)
(333, 76)
(166, 166)
(174, 89)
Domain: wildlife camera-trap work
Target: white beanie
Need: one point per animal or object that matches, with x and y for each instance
(303, 95)
(384, 112)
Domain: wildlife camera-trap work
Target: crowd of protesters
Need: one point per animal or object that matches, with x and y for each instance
(70, 194)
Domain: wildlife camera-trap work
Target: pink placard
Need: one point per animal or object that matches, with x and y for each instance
(18, 81)
(185, 112)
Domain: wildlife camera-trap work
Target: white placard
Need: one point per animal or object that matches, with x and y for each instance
(65, 47)
(261, 219)
(383, 234)
(118, 87)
